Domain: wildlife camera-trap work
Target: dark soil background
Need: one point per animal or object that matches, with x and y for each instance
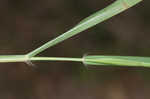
(27, 24)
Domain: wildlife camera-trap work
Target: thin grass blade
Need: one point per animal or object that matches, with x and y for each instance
(117, 60)
(100, 16)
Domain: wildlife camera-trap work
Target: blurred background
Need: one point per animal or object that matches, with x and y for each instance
(27, 24)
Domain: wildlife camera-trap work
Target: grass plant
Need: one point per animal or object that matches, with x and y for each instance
(111, 10)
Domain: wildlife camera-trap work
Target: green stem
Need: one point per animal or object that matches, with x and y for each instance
(88, 60)
(24, 58)
(100, 16)
(55, 59)
(12, 58)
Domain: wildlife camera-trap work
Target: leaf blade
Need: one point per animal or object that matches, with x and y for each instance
(117, 60)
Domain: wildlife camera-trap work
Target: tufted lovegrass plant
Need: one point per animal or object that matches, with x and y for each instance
(113, 9)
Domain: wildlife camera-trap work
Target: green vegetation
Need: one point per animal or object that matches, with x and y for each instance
(113, 9)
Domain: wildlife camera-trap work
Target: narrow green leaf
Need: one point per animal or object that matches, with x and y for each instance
(100, 16)
(117, 60)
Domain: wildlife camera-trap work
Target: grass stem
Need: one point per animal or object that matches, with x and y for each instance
(56, 59)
